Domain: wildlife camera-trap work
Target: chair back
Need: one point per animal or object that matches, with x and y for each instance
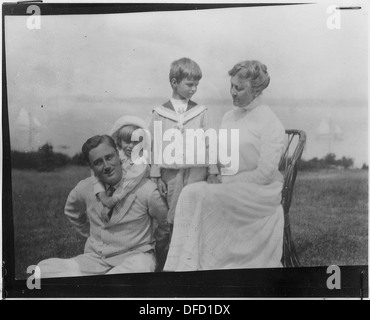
(289, 167)
(289, 164)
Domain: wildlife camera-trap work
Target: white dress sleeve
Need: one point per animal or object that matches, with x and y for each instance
(272, 146)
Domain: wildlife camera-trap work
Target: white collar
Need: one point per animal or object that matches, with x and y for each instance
(254, 104)
(180, 104)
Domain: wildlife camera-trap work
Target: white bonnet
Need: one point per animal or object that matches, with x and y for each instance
(126, 121)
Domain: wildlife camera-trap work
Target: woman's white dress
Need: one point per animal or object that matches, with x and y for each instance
(239, 223)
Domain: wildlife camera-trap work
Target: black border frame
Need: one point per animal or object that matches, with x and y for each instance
(253, 283)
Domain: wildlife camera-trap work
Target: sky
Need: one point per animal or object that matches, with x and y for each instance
(76, 75)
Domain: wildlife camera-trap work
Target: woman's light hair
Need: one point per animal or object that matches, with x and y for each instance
(124, 134)
(253, 71)
(185, 68)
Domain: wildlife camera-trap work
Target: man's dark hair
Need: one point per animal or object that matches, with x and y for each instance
(94, 142)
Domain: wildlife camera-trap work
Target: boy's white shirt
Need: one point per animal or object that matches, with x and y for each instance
(181, 120)
(180, 106)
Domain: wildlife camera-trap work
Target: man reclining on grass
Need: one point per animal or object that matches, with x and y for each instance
(125, 243)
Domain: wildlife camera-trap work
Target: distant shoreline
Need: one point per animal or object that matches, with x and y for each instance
(288, 102)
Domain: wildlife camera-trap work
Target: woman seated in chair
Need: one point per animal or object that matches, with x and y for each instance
(239, 223)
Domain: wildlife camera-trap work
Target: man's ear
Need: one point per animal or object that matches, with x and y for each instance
(92, 170)
(173, 82)
(91, 167)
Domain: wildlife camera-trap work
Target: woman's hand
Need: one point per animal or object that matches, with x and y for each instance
(213, 179)
(162, 187)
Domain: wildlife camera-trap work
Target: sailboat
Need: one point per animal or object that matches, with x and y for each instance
(29, 126)
(330, 132)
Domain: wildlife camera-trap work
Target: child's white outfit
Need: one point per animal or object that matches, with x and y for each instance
(181, 115)
(133, 174)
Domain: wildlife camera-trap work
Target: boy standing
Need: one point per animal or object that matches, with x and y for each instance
(180, 113)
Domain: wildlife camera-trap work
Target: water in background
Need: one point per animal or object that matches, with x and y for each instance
(338, 129)
(332, 127)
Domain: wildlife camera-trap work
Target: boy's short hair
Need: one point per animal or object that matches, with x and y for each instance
(185, 68)
(94, 142)
(125, 134)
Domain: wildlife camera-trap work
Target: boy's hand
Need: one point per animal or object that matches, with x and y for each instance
(162, 187)
(213, 179)
(106, 201)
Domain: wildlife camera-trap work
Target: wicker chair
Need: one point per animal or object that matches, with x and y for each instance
(289, 167)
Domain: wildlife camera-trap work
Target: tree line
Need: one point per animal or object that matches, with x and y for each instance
(330, 161)
(45, 159)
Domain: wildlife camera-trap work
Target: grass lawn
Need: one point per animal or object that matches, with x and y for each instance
(329, 217)
(41, 229)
